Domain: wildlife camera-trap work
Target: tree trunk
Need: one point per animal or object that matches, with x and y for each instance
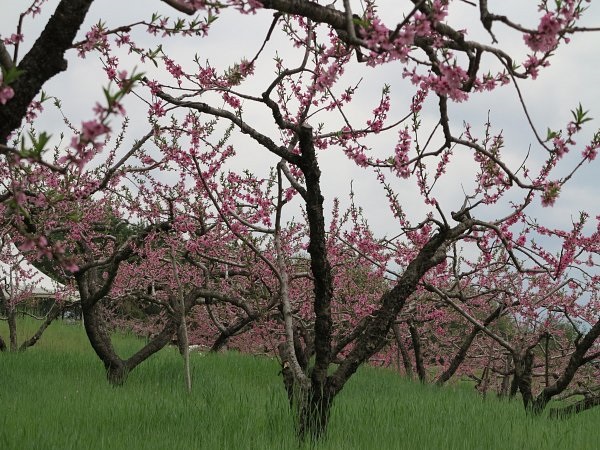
(116, 371)
(319, 263)
(523, 378)
(312, 409)
(184, 349)
(504, 386)
(403, 352)
(416, 341)
(12, 329)
(547, 361)
(482, 387)
(514, 387)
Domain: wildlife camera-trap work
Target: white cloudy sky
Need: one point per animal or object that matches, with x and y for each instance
(573, 77)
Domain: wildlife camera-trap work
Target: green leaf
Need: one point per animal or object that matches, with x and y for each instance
(211, 18)
(42, 140)
(580, 116)
(10, 75)
(364, 23)
(37, 146)
(551, 134)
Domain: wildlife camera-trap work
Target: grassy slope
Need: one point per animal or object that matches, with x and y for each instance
(55, 397)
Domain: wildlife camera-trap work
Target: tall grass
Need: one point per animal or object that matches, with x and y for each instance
(55, 397)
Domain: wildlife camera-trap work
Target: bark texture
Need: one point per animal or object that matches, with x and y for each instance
(417, 350)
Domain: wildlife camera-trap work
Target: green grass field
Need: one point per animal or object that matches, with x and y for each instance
(54, 396)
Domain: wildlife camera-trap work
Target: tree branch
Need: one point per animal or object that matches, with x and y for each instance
(43, 61)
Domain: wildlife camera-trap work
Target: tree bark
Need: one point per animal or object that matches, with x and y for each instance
(116, 372)
(523, 363)
(485, 379)
(403, 352)
(320, 267)
(12, 329)
(416, 342)
(505, 385)
(310, 10)
(157, 343)
(118, 369)
(310, 407)
(184, 350)
(314, 407)
(547, 361)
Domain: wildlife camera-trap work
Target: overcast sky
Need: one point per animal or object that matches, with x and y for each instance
(574, 76)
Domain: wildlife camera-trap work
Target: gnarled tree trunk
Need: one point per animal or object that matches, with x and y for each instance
(310, 406)
(117, 369)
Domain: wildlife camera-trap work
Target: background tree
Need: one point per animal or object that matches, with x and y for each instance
(18, 285)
